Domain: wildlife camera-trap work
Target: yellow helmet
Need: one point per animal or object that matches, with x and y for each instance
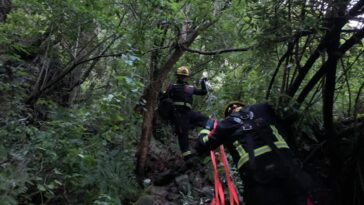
(231, 106)
(183, 70)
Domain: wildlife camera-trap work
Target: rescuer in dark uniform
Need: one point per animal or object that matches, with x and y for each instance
(254, 136)
(183, 116)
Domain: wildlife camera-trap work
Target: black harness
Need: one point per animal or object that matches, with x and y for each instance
(253, 129)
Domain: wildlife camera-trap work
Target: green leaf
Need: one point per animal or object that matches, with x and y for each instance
(41, 187)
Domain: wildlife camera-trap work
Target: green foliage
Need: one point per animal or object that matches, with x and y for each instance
(82, 151)
(83, 154)
(63, 154)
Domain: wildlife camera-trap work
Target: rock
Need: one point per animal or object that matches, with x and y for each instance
(172, 197)
(183, 184)
(164, 178)
(159, 191)
(147, 182)
(161, 201)
(173, 189)
(207, 191)
(197, 181)
(145, 200)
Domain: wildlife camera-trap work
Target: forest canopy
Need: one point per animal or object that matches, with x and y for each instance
(72, 73)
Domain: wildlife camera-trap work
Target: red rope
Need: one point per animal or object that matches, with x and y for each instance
(219, 198)
(234, 199)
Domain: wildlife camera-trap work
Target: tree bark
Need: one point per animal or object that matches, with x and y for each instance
(152, 91)
(151, 96)
(328, 97)
(5, 8)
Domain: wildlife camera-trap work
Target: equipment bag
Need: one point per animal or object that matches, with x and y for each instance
(165, 107)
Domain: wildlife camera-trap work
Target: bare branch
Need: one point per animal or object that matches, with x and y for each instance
(155, 49)
(200, 67)
(357, 100)
(354, 39)
(357, 9)
(350, 30)
(98, 57)
(216, 52)
(288, 52)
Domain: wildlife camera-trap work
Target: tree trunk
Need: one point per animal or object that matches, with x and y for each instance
(5, 8)
(151, 95)
(328, 103)
(186, 37)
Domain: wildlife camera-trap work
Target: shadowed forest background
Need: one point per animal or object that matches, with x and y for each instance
(72, 72)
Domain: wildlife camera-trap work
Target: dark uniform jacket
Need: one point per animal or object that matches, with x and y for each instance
(182, 94)
(243, 129)
(254, 137)
(183, 117)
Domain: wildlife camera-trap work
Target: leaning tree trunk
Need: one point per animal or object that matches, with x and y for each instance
(186, 37)
(151, 96)
(151, 92)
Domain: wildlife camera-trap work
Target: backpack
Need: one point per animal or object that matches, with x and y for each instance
(165, 107)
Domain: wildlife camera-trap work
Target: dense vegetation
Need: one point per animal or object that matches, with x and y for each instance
(71, 73)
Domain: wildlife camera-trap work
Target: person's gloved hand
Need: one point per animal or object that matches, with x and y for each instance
(200, 144)
(203, 136)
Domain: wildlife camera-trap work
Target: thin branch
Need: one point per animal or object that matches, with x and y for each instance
(350, 30)
(114, 35)
(155, 49)
(357, 100)
(348, 68)
(200, 67)
(98, 57)
(74, 66)
(216, 52)
(288, 52)
(316, 97)
(63, 74)
(354, 39)
(314, 151)
(95, 61)
(304, 70)
(349, 91)
(356, 9)
(298, 34)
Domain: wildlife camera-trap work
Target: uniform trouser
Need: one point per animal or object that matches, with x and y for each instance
(275, 184)
(184, 121)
